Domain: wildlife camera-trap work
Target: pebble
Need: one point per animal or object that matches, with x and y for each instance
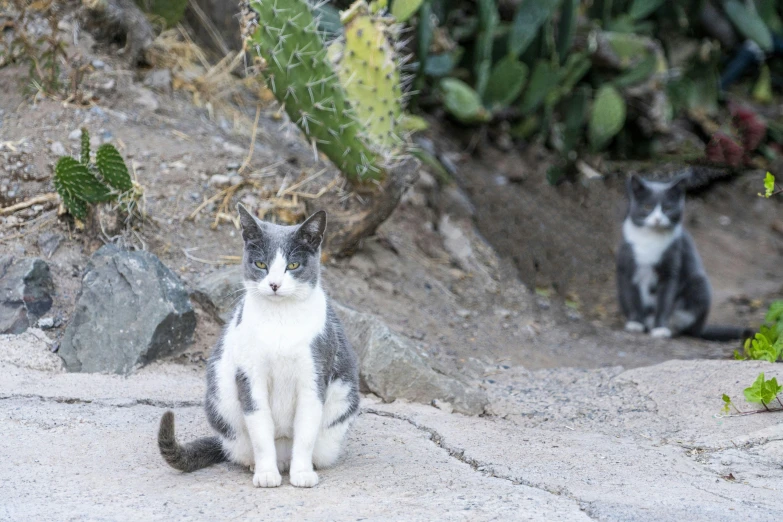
(75, 135)
(233, 149)
(46, 323)
(463, 313)
(219, 180)
(233, 179)
(98, 64)
(233, 165)
(58, 149)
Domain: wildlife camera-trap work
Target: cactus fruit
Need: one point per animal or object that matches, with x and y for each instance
(285, 35)
(369, 74)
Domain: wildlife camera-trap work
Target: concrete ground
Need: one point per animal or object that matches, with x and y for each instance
(563, 444)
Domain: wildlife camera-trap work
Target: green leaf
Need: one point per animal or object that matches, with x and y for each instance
(112, 168)
(775, 312)
(505, 83)
(726, 403)
(442, 64)
(85, 157)
(644, 8)
(607, 117)
(749, 23)
(543, 80)
(528, 19)
(769, 188)
(462, 101)
(762, 91)
(763, 391)
(488, 22)
(760, 348)
(566, 29)
(404, 9)
(637, 73)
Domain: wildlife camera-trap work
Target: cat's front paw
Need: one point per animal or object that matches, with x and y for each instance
(267, 479)
(304, 479)
(661, 332)
(634, 327)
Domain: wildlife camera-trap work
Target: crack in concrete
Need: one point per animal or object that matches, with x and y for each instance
(484, 468)
(126, 403)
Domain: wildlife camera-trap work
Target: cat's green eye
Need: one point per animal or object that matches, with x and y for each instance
(293, 266)
(260, 265)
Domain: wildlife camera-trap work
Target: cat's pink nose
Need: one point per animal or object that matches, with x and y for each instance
(274, 286)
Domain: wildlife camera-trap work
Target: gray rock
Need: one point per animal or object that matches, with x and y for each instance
(146, 98)
(159, 80)
(219, 292)
(392, 367)
(75, 135)
(46, 323)
(131, 310)
(26, 289)
(49, 242)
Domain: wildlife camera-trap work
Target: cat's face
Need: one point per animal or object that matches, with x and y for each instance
(282, 262)
(656, 205)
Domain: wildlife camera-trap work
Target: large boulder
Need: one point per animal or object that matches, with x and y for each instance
(131, 310)
(392, 367)
(26, 290)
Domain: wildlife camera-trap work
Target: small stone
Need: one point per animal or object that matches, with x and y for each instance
(58, 149)
(235, 179)
(147, 99)
(233, 165)
(49, 242)
(98, 64)
(159, 80)
(443, 405)
(233, 149)
(46, 323)
(75, 135)
(26, 289)
(219, 180)
(107, 86)
(463, 313)
(724, 221)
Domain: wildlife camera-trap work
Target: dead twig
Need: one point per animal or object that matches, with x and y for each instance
(252, 142)
(44, 198)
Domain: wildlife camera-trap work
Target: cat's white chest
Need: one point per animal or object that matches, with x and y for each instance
(275, 346)
(648, 245)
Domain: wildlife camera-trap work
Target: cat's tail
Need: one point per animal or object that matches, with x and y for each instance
(724, 333)
(192, 456)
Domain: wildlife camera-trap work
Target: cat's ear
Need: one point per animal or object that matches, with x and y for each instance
(251, 228)
(636, 186)
(312, 230)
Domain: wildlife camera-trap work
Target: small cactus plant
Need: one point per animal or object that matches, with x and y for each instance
(81, 183)
(345, 100)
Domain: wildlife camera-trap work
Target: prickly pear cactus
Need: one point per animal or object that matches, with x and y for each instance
(82, 183)
(77, 186)
(369, 73)
(284, 33)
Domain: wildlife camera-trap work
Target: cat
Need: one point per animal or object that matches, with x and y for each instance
(283, 381)
(662, 285)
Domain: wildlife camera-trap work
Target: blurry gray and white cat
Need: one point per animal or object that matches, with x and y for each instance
(662, 285)
(283, 382)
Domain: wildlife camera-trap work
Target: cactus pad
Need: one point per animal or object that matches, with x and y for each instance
(85, 157)
(284, 33)
(112, 168)
(369, 74)
(78, 186)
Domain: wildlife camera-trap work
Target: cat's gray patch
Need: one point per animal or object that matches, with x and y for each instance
(216, 420)
(244, 392)
(644, 196)
(334, 359)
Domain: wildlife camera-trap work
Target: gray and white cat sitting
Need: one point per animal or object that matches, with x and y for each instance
(662, 285)
(283, 382)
